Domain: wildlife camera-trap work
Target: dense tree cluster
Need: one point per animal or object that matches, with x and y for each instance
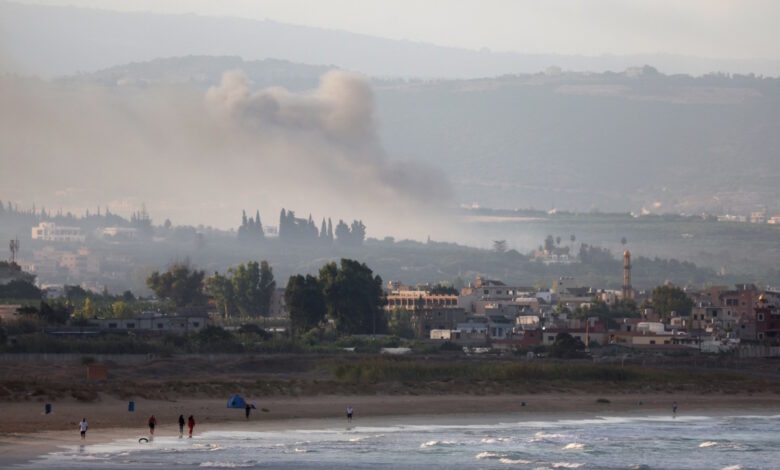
(353, 235)
(250, 229)
(349, 293)
(305, 302)
(246, 289)
(181, 285)
(296, 230)
(668, 299)
(19, 289)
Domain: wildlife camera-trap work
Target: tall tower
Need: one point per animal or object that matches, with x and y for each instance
(628, 292)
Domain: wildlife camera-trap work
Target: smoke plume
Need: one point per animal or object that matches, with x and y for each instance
(201, 159)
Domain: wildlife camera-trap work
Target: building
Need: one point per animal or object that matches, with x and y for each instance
(414, 300)
(154, 322)
(740, 301)
(80, 263)
(627, 291)
(768, 318)
(427, 319)
(51, 232)
(119, 233)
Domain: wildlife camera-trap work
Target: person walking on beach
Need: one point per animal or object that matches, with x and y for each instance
(83, 428)
(674, 409)
(152, 423)
(247, 410)
(181, 426)
(191, 424)
(349, 414)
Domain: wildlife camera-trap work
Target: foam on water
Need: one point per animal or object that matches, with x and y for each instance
(507, 461)
(574, 446)
(604, 442)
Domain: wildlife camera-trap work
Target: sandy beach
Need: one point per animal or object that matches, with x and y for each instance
(26, 432)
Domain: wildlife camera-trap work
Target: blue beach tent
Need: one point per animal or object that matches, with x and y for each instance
(236, 401)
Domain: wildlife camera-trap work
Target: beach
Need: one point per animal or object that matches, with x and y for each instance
(26, 432)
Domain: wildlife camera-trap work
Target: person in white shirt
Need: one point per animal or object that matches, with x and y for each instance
(349, 414)
(83, 428)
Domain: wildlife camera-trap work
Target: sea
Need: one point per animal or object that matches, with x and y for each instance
(607, 442)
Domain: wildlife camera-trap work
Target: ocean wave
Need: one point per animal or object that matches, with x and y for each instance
(493, 440)
(487, 455)
(545, 435)
(225, 465)
(573, 446)
(567, 465)
(733, 467)
(427, 444)
(708, 444)
(508, 461)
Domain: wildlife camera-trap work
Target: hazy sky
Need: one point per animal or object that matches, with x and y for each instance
(737, 29)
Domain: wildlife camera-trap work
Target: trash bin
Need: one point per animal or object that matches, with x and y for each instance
(48, 408)
(131, 406)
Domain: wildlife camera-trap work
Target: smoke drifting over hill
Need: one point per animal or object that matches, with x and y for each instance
(201, 159)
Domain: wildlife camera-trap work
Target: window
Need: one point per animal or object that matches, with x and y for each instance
(160, 326)
(760, 317)
(551, 338)
(112, 325)
(486, 292)
(196, 324)
(130, 326)
(652, 341)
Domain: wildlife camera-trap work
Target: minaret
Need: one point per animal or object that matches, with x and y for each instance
(628, 292)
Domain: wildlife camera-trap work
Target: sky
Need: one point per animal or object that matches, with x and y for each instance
(723, 29)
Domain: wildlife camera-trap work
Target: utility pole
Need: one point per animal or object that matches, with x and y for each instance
(14, 246)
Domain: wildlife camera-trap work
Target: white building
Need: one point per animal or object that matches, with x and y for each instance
(119, 233)
(51, 232)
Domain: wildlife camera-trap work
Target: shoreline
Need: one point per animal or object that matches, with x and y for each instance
(110, 421)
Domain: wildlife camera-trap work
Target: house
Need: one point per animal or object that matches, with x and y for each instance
(436, 318)
(768, 317)
(51, 232)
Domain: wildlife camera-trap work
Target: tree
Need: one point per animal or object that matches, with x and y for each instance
(120, 309)
(549, 243)
(19, 289)
(55, 313)
(246, 282)
(668, 299)
(181, 285)
(323, 230)
(566, 346)
(221, 289)
(353, 296)
(499, 246)
(89, 309)
(443, 289)
(305, 303)
(342, 233)
(358, 232)
(266, 287)
(400, 323)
